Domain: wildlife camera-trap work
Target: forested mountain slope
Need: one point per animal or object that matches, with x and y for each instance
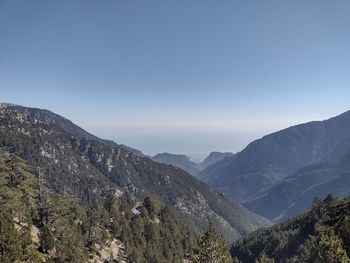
(74, 163)
(320, 235)
(38, 225)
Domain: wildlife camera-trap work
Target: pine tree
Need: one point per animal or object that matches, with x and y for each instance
(111, 204)
(152, 204)
(212, 248)
(47, 241)
(331, 248)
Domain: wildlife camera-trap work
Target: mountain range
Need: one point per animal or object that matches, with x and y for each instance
(184, 162)
(58, 180)
(278, 175)
(73, 162)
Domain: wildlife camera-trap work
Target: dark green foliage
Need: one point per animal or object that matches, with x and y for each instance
(69, 231)
(212, 248)
(17, 207)
(152, 204)
(156, 235)
(47, 241)
(324, 246)
(321, 235)
(10, 243)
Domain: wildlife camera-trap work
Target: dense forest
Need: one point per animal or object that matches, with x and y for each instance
(320, 235)
(40, 226)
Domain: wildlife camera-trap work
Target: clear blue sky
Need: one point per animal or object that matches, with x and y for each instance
(185, 76)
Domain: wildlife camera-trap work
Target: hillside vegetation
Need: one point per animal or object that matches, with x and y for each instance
(38, 225)
(72, 162)
(320, 235)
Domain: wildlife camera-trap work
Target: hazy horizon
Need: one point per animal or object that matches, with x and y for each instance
(181, 77)
(241, 136)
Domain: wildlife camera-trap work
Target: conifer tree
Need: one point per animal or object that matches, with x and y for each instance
(212, 248)
(331, 248)
(47, 241)
(152, 204)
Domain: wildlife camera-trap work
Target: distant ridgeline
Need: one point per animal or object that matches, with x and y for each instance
(184, 162)
(320, 235)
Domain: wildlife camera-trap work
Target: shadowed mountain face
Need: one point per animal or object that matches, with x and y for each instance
(274, 157)
(73, 162)
(278, 175)
(294, 194)
(183, 161)
(214, 170)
